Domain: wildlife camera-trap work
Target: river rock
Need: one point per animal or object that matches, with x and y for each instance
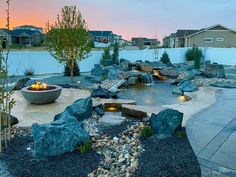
(187, 86)
(81, 109)
(214, 71)
(166, 122)
(58, 137)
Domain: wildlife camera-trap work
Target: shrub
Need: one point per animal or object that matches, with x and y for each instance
(85, 147)
(194, 54)
(106, 56)
(165, 58)
(181, 134)
(146, 132)
(115, 55)
(76, 70)
(29, 72)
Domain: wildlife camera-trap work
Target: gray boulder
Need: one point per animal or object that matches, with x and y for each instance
(132, 80)
(98, 70)
(184, 76)
(187, 86)
(214, 71)
(169, 73)
(99, 111)
(146, 67)
(81, 109)
(177, 91)
(58, 137)
(100, 93)
(166, 122)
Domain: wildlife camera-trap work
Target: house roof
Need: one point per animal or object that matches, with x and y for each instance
(100, 33)
(183, 32)
(27, 27)
(18, 32)
(212, 27)
(5, 30)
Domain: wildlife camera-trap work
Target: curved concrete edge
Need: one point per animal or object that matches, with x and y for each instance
(201, 99)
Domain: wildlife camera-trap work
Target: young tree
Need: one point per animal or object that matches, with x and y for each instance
(115, 55)
(68, 39)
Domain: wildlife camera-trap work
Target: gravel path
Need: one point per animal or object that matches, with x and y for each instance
(167, 157)
(18, 162)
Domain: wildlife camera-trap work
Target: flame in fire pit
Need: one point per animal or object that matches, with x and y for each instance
(39, 85)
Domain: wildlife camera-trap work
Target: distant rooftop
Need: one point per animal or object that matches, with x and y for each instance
(100, 33)
(18, 32)
(184, 32)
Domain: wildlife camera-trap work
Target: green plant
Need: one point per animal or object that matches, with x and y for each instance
(106, 56)
(181, 134)
(146, 132)
(165, 58)
(115, 55)
(85, 147)
(76, 70)
(68, 40)
(29, 72)
(194, 54)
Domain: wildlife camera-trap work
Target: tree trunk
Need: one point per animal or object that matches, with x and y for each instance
(72, 70)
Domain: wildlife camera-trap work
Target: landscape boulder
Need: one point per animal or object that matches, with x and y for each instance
(166, 122)
(146, 67)
(81, 109)
(169, 73)
(58, 137)
(100, 93)
(177, 91)
(132, 80)
(187, 86)
(99, 111)
(184, 76)
(98, 70)
(124, 64)
(214, 71)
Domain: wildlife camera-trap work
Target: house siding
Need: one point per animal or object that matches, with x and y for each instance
(198, 39)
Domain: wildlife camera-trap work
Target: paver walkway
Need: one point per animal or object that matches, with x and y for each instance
(213, 137)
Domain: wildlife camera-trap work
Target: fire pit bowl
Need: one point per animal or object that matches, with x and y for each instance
(41, 94)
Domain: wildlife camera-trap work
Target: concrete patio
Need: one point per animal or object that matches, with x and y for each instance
(213, 137)
(28, 114)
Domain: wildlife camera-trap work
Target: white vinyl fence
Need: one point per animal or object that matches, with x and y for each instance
(42, 62)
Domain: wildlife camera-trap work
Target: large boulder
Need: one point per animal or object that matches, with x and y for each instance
(100, 93)
(184, 76)
(58, 137)
(124, 64)
(166, 122)
(98, 70)
(21, 83)
(187, 86)
(146, 67)
(169, 73)
(177, 91)
(132, 80)
(81, 109)
(214, 71)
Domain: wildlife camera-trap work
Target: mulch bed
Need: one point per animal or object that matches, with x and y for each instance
(20, 162)
(170, 157)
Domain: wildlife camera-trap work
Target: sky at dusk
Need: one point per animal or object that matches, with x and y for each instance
(129, 18)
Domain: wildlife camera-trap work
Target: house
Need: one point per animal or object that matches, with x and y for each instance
(26, 37)
(213, 36)
(102, 36)
(180, 35)
(169, 41)
(29, 27)
(136, 41)
(5, 37)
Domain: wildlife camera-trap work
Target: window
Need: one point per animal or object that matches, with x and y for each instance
(208, 40)
(219, 39)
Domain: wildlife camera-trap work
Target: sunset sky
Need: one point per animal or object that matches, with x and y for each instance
(128, 17)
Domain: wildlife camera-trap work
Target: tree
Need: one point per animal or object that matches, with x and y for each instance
(194, 54)
(165, 58)
(68, 40)
(115, 55)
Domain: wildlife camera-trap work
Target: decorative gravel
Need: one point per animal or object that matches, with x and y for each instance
(18, 162)
(167, 157)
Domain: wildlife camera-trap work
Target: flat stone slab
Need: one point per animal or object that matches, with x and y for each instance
(110, 119)
(140, 111)
(28, 114)
(118, 102)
